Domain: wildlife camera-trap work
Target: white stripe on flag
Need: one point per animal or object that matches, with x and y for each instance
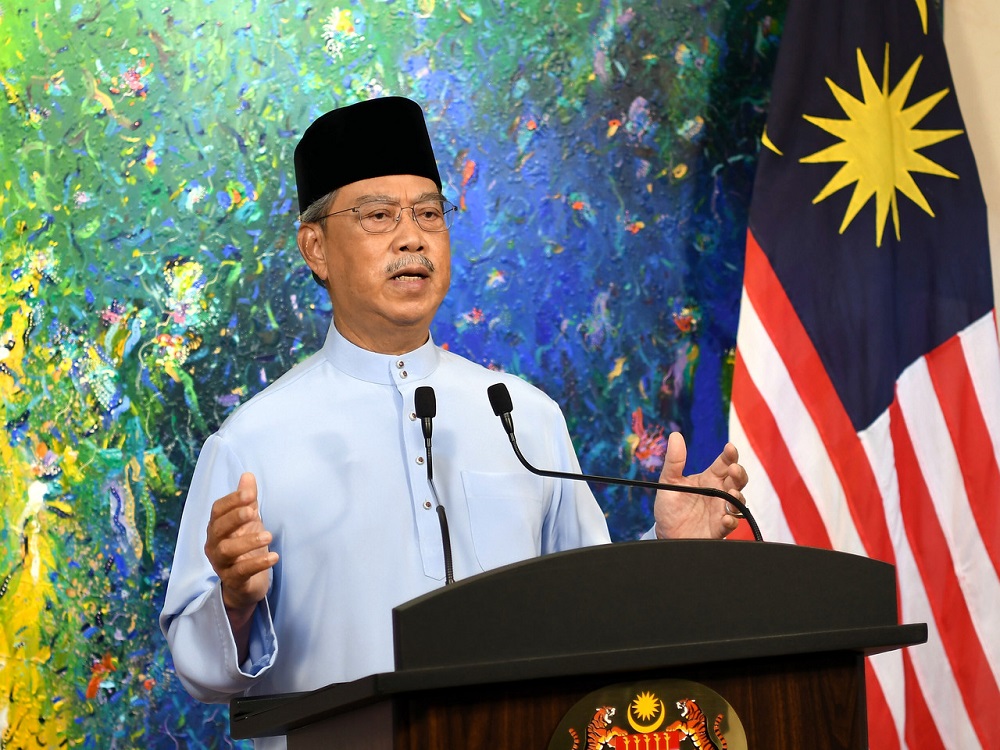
(760, 494)
(930, 662)
(979, 342)
(936, 455)
(798, 431)
(888, 669)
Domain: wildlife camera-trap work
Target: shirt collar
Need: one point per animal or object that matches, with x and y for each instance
(387, 369)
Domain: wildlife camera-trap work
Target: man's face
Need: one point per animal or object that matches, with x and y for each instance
(385, 288)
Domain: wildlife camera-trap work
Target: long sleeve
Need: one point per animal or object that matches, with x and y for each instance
(194, 618)
(576, 519)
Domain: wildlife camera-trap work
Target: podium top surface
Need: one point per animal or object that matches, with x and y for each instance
(638, 596)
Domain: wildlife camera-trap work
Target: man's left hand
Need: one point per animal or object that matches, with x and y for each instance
(681, 515)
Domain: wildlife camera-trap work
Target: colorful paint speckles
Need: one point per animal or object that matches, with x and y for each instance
(601, 155)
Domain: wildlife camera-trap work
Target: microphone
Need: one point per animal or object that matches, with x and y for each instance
(503, 406)
(425, 407)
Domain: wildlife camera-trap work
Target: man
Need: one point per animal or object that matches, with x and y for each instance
(310, 514)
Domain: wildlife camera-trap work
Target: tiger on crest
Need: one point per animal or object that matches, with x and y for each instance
(600, 733)
(694, 725)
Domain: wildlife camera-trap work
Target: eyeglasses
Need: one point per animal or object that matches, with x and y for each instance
(379, 217)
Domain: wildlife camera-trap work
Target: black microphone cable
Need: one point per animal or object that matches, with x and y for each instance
(425, 407)
(503, 406)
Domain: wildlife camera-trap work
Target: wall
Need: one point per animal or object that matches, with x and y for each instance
(971, 29)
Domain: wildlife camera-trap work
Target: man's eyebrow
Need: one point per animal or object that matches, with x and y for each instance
(431, 196)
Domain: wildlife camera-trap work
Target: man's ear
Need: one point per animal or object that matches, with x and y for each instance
(310, 242)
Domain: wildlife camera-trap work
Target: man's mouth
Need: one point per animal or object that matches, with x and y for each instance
(411, 270)
(410, 274)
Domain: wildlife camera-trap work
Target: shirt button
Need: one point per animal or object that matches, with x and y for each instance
(413, 416)
(427, 505)
(402, 374)
(400, 364)
(420, 460)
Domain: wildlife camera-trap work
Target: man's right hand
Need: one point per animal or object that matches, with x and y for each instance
(237, 549)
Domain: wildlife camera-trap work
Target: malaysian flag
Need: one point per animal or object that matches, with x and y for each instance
(866, 391)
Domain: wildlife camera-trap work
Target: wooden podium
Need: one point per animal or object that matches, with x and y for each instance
(496, 661)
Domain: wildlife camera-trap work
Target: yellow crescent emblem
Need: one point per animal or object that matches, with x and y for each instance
(661, 714)
(766, 140)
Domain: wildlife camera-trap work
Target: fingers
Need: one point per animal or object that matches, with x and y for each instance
(235, 510)
(727, 474)
(234, 516)
(238, 558)
(246, 567)
(235, 522)
(722, 467)
(236, 545)
(229, 552)
(737, 476)
(729, 524)
(674, 459)
(244, 496)
(247, 483)
(686, 515)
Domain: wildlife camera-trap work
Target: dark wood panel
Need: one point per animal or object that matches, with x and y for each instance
(788, 703)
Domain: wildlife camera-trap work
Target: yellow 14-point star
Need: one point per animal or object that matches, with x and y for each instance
(879, 145)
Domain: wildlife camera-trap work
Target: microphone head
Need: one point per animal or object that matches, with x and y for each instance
(424, 403)
(500, 399)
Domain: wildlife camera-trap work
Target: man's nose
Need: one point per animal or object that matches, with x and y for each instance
(409, 236)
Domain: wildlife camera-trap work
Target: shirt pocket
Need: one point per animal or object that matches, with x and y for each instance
(506, 512)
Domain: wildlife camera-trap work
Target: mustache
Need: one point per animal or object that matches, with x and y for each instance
(401, 264)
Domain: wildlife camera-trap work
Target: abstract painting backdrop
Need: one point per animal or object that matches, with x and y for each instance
(601, 153)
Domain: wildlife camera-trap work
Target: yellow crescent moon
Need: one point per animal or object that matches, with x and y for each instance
(649, 728)
(766, 140)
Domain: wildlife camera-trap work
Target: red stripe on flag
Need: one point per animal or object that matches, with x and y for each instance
(930, 550)
(920, 731)
(864, 498)
(956, 393)
(842, 444)
(765, 439)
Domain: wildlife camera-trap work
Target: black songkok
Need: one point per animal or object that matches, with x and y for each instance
(375, 138)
